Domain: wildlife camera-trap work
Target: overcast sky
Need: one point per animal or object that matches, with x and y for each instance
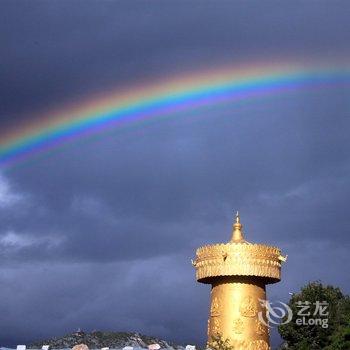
(99, 235)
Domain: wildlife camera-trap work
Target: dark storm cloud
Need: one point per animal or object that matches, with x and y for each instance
(124, 297)
(100, 234)
(189, 173)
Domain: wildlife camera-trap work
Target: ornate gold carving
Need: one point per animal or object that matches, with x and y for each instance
(248, 307)
(214, 309)
(215, 325)
(250, 345)
(238, 326)
(261, 329)
(258, 345)
(238, 259)
(234, 299)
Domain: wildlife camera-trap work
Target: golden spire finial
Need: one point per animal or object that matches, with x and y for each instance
(237, 234)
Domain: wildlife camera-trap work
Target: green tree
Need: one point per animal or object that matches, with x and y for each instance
(316, 336)
(340, 340)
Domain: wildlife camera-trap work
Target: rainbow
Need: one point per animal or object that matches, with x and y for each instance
(160, 99)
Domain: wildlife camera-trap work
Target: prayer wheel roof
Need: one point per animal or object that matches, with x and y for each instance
(238, 258)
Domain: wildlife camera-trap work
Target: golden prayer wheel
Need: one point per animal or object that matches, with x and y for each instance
(238, 272)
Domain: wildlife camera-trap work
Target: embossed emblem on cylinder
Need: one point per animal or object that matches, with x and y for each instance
(248, 307)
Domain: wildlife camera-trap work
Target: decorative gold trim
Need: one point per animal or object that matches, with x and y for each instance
(238, 259)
